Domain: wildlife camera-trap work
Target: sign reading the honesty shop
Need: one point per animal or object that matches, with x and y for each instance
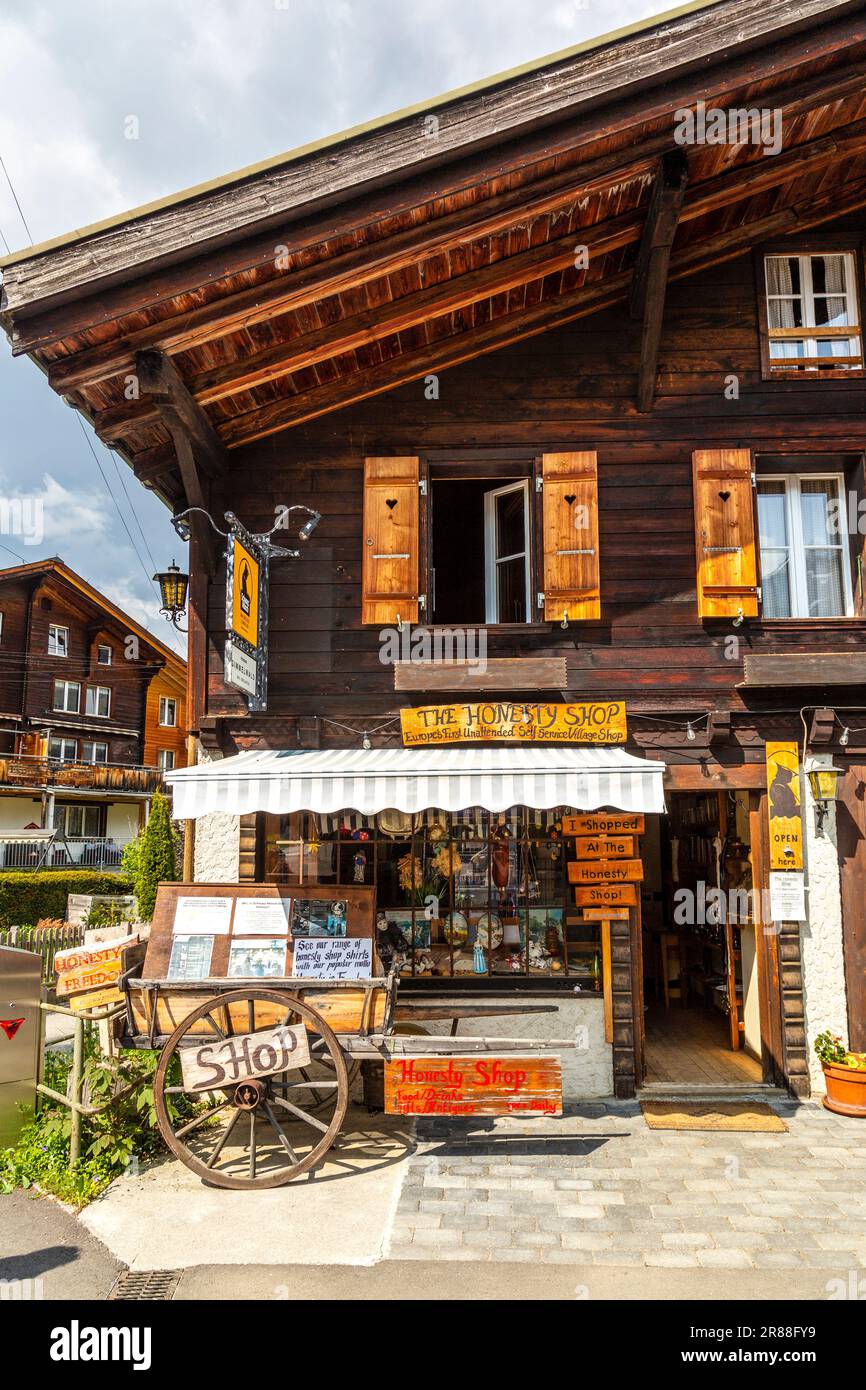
(505, 722)
(479, 1085)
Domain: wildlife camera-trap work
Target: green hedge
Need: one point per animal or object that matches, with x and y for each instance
(25, 898)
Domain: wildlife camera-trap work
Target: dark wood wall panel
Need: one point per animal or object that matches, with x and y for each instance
(571, 388)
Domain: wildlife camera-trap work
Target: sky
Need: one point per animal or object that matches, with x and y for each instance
(213, 85)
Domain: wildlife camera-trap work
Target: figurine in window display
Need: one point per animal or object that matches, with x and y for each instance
(390, 942)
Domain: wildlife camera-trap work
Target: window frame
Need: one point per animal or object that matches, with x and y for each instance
(62, 739)
(492, 560)
(104, 647)
(492, 463)
(798, 588)
(96, 690)
(161, 755)
(786, 369)
(68, 685)
(55, 628)
(94, 743)
(164, 702)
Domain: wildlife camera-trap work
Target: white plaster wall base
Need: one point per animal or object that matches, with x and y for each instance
(587, 1069)
(821, 936)
(217, 843)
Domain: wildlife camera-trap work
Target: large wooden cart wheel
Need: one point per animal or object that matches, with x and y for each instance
(263, 1132)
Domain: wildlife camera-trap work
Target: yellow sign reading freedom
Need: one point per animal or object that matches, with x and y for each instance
(502, 721)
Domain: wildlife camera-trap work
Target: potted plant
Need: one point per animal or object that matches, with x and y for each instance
(844, 1074)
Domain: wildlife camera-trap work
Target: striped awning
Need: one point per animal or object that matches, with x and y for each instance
(412, 780)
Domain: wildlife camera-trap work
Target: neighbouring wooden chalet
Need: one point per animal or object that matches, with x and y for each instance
(571, 364)
(91, 718)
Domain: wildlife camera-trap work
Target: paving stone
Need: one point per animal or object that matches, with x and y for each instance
(724, 1259)
(671, 1259)
(684, 1239)
(487, 1239)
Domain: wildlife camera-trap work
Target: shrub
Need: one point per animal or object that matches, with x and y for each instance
(28, 898)
(157, 856)
(111, 1141)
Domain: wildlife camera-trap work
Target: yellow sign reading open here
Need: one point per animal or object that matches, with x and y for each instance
(504, 721)
(786, 823)
(245, 594)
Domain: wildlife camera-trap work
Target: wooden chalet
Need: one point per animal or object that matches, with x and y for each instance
(625, 283)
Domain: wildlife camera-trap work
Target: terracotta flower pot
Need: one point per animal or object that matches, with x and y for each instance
(846, 1090)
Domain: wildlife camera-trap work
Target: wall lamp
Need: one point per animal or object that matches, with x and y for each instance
(824, 785)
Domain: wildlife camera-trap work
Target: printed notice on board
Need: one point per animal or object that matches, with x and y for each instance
(340, 958)
(261, 917)
(787, 897)
(203, 916)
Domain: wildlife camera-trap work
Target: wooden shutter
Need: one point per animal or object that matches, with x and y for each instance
(725, 533)
(570, 537)
(391, 540)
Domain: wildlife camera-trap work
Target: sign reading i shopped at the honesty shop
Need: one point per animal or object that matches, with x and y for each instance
(502, 721)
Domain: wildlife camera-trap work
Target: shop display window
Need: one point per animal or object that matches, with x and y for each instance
(463, 895)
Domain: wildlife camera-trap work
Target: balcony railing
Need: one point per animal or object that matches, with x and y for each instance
(79, 851)
(53, 773)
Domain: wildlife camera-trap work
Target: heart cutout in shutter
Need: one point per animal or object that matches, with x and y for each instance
(724, 496)
(571, 498)
(390, 503)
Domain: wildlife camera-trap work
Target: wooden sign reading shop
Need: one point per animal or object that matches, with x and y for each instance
(606, 895)
(502, 721)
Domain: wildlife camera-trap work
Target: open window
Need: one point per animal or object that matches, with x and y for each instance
(810, 314)
(480, 532)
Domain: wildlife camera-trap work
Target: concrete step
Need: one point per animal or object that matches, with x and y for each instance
(711, 1095)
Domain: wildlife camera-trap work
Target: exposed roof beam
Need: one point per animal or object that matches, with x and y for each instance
(380, 321)
(360, 329)
(295, 410)
(581, 82)
(349, 271)
(229, 312)
(649, 284)
(171, 402)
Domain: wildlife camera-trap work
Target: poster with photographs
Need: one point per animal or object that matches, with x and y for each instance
(422, 932)
(257, 960)
(312, 917)
(190, 957)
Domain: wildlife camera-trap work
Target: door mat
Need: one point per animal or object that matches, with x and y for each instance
(748, 1116)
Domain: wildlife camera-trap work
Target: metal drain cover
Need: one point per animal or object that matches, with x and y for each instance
(146, 1285)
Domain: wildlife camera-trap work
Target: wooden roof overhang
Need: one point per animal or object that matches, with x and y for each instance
(340, 272)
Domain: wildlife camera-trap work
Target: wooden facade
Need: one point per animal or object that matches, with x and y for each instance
(543, 285)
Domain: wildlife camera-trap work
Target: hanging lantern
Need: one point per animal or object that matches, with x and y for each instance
(173, 587)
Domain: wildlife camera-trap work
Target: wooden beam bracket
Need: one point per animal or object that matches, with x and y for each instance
(649, 285)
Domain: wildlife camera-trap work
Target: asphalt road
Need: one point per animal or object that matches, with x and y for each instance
(40, 1240)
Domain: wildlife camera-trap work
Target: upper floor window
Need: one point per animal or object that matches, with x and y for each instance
(804, 546)
(98, 701)
(92, 752)
(812, 314)
(103, 654)
(2, 616)
(63, 750)
(58, 640)
(165, 759)
(67, 696)
(167, 712)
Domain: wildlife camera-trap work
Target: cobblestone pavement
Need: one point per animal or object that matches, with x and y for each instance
(600, 1187)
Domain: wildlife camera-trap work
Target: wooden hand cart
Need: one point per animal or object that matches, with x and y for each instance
(258, 1117)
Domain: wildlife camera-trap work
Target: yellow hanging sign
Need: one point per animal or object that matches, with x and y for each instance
(504, 721)
(785, 814)
(245, 594)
